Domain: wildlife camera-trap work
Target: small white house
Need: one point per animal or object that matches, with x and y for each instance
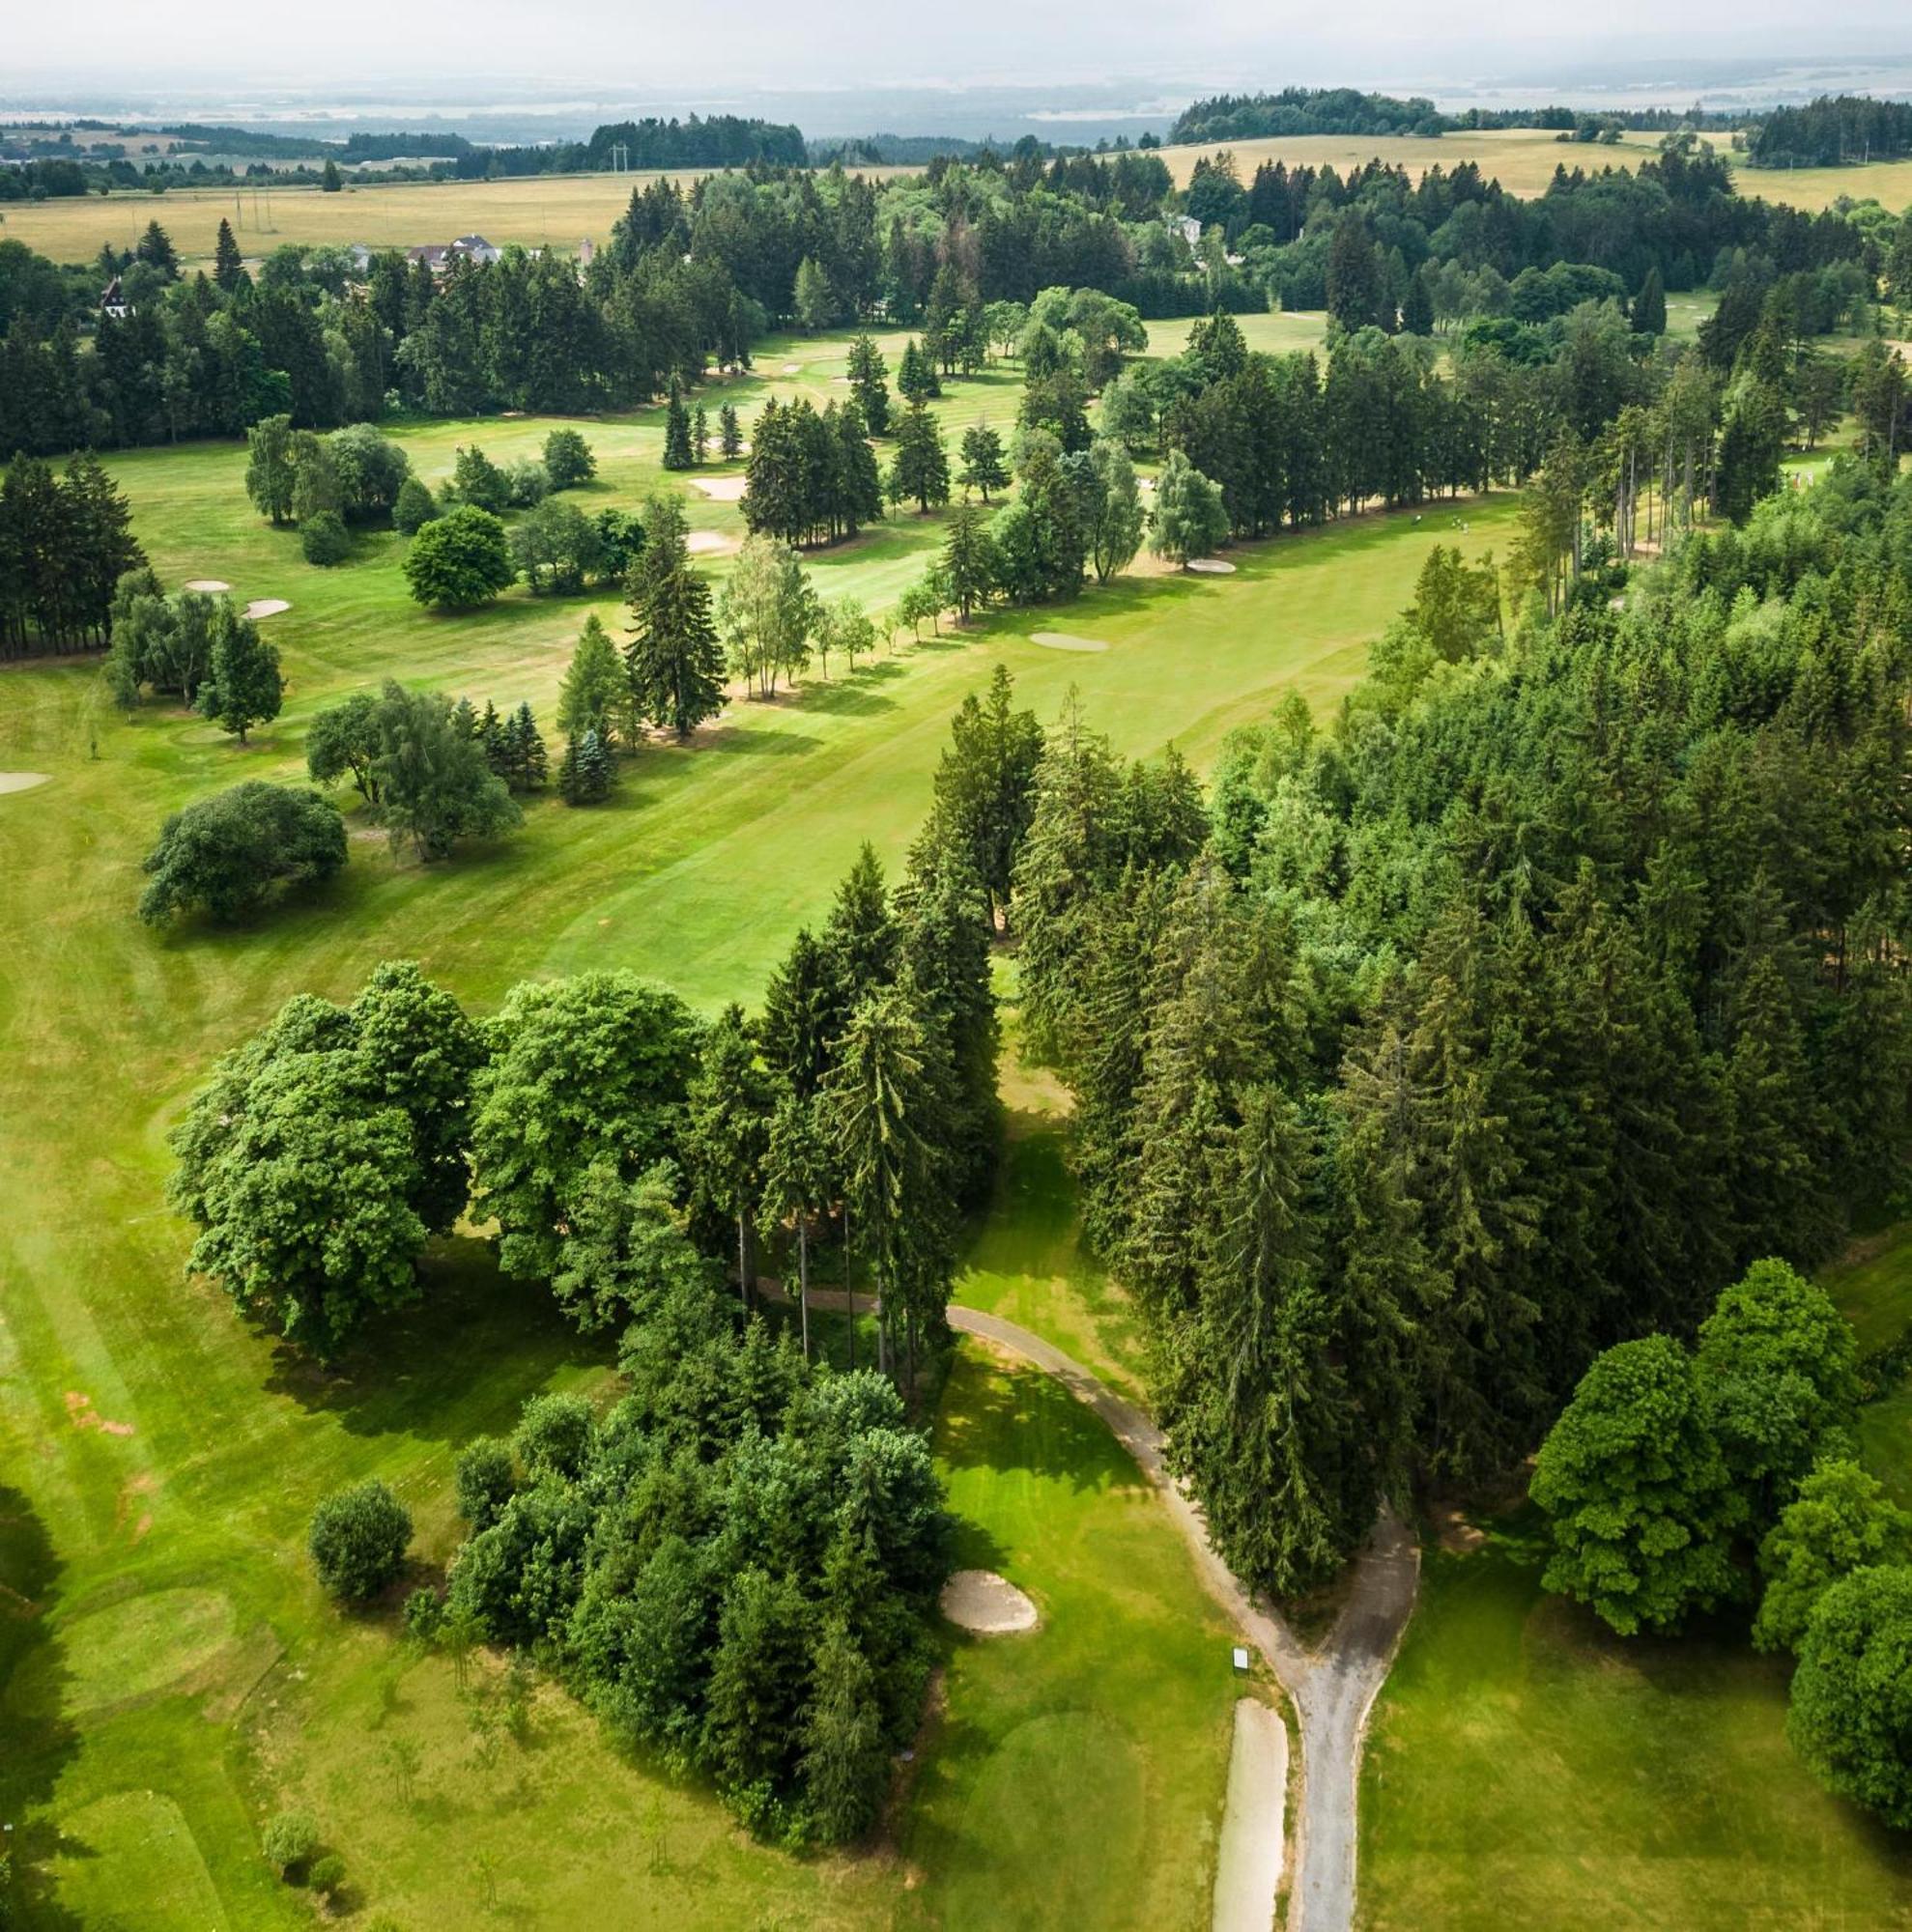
(1188, 228)
(477, 249)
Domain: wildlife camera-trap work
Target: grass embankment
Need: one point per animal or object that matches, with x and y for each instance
(1525, 1763)
(165, 1459)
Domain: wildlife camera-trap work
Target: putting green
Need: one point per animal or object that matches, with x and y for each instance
(131, 1859)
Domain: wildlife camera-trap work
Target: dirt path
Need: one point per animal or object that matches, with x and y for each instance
(1332, 1689)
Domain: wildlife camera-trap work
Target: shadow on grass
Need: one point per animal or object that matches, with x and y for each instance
(844, 698)
(418, 1370)
(1017, 1419)
(36, 1739)
(750, 740)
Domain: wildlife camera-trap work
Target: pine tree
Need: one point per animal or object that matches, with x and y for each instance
(699, 436)
(228, 265)
(969, 560)
(595, 686)
(528, 763)
(674, 660)
(677, 453)
(916, 375)
(586, 771)
(920, 468)
(729, 437)
(1649, 305)
(867, 371)
(465, 720)
(491, 741)
(727, 1110)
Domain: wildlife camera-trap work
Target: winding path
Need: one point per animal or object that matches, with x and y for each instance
(1332, 1689)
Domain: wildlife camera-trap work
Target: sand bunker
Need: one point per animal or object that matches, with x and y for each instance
(266, 607)
(723, 489)
(981, 1601)
(21, 780)
(709, 543)
(1212, 566)
(1061, 640)
(793, 368)
(211, 585)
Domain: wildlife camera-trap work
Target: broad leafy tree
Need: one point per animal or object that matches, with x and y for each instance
(459, 561)
(230, 852)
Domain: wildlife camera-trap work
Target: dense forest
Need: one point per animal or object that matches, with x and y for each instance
(1831, 131)
(1346, 110)
(1509, 1016)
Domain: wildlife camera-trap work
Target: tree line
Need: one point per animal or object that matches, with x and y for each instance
(65, 540)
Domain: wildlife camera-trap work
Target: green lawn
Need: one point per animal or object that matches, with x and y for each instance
(172, 1675)
(1527, 1770)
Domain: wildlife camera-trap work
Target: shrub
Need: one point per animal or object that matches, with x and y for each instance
(359, 1539)
(414, 509)
(227, 853)
(568, 460)
(527, 482)
(1851, 1713)
(424, 1613)
(327, 1875)
(476, 480)
(324, 539)
(487, 1478)
(554, 1434)
(290, 1841)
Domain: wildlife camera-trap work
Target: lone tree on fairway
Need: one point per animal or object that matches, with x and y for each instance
(677, 453)
(1642, 1503)
(414, 508)
(674, 660)
(460, 560)
(1851, 1711)
(568, 459)
(920, 468)
(359, 1539)
(729, 434)
(1190, 519)
(229, 852)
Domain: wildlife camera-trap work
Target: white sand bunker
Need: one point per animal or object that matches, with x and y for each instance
(1062, 640)
(978, 1599)
(707, 543)
(21, 780)
(723, 489)
(211, 585)
(1212, 567)
(266, 607)
(793, 368)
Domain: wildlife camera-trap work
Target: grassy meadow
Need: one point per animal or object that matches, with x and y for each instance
(170, 1675)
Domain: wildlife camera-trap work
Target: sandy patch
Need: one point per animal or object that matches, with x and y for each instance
(709, 543)
(271, 607)
(1212, 567)
(211, 585)
(793, 368)
(1248, 1867)
(82, 1414)
(1457, 1535)
(1062, 640)
(723, 489)
(21, 780)
(981, 1601)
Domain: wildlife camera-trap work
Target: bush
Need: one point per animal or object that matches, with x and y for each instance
(359, 1539)
(227, 853)
(1851, 1711)
(323, 539)
(487, 1478)
(414, 509)
(327, 1875)
(554, 1434)
(290, 1841)
(527, 482)
(460, 560)
(568, 460)
(424, 1613)
(476, 480)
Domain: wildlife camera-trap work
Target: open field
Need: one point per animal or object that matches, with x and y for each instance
(1888, 183)
(172, 1674)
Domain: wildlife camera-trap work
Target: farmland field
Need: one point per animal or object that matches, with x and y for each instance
(174, 1675)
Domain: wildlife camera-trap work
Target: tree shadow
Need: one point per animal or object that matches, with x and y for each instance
(36, 1739)
(415, 1369)
(1022, 1419)
(841, 697)
(750, 740)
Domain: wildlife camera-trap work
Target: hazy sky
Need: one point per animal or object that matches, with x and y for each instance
(628, 47)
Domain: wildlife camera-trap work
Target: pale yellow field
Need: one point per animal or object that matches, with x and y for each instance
(1889, 183)
(1523, 159)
